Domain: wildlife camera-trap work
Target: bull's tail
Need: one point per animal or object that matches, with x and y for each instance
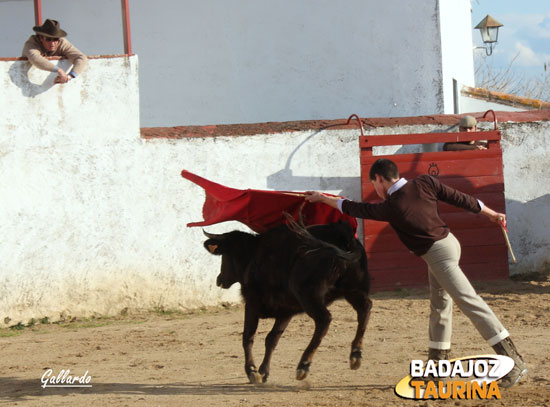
(313, 244)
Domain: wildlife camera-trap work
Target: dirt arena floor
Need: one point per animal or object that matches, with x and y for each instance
(195, 359)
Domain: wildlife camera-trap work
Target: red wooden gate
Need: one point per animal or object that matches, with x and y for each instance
(478, 172)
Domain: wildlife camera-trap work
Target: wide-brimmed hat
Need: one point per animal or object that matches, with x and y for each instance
(50, 28)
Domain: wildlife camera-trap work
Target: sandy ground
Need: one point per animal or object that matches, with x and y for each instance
(195, 359)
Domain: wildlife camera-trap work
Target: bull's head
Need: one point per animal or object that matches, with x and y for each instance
(222, 245)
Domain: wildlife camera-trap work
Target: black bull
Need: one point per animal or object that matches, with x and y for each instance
(286, 271)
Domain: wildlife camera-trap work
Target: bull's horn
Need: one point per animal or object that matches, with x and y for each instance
(212, 235)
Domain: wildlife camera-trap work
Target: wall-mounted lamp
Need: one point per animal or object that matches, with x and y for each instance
(488, 27)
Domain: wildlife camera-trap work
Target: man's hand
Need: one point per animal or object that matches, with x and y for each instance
(500, 219)
(314, 196)
(61, 77)
(496, 217)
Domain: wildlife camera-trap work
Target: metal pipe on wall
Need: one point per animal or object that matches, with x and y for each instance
(126, 27)
(38, 12)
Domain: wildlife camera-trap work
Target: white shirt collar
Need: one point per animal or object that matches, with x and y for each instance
(397, 186)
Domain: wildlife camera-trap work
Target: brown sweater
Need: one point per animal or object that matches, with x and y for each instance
(35, 53)
(412, 211)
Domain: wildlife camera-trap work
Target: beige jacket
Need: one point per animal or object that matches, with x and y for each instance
(35, 53)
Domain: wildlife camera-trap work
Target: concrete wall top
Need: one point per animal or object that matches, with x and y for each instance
(177, 132)
(4, 59)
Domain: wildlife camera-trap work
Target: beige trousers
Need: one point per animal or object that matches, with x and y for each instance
(448, 284)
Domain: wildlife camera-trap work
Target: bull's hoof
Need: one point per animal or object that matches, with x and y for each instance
(301, 374)
(302, 371)
(264, 375)
(354, 363)
(255, 378)
(355, 359)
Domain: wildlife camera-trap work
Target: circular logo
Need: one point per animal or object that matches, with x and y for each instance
(433, 170)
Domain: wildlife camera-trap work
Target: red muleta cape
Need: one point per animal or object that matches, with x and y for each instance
(257, 209)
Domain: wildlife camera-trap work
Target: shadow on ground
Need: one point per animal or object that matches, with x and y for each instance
(13, 389)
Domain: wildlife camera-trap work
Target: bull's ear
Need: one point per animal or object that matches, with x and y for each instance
(213, 246)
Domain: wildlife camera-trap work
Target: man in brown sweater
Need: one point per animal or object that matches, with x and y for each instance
(411, 209)
(49, 42)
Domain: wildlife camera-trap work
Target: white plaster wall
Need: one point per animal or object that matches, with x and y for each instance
(457, 49)
(241, 61)
(100, 103)
(526, 156)
(103, 228)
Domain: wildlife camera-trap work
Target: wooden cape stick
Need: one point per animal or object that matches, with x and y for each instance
(294, 193)
(508, 241)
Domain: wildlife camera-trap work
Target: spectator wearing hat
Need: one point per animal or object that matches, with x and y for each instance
(467, 124)
(49, 41)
